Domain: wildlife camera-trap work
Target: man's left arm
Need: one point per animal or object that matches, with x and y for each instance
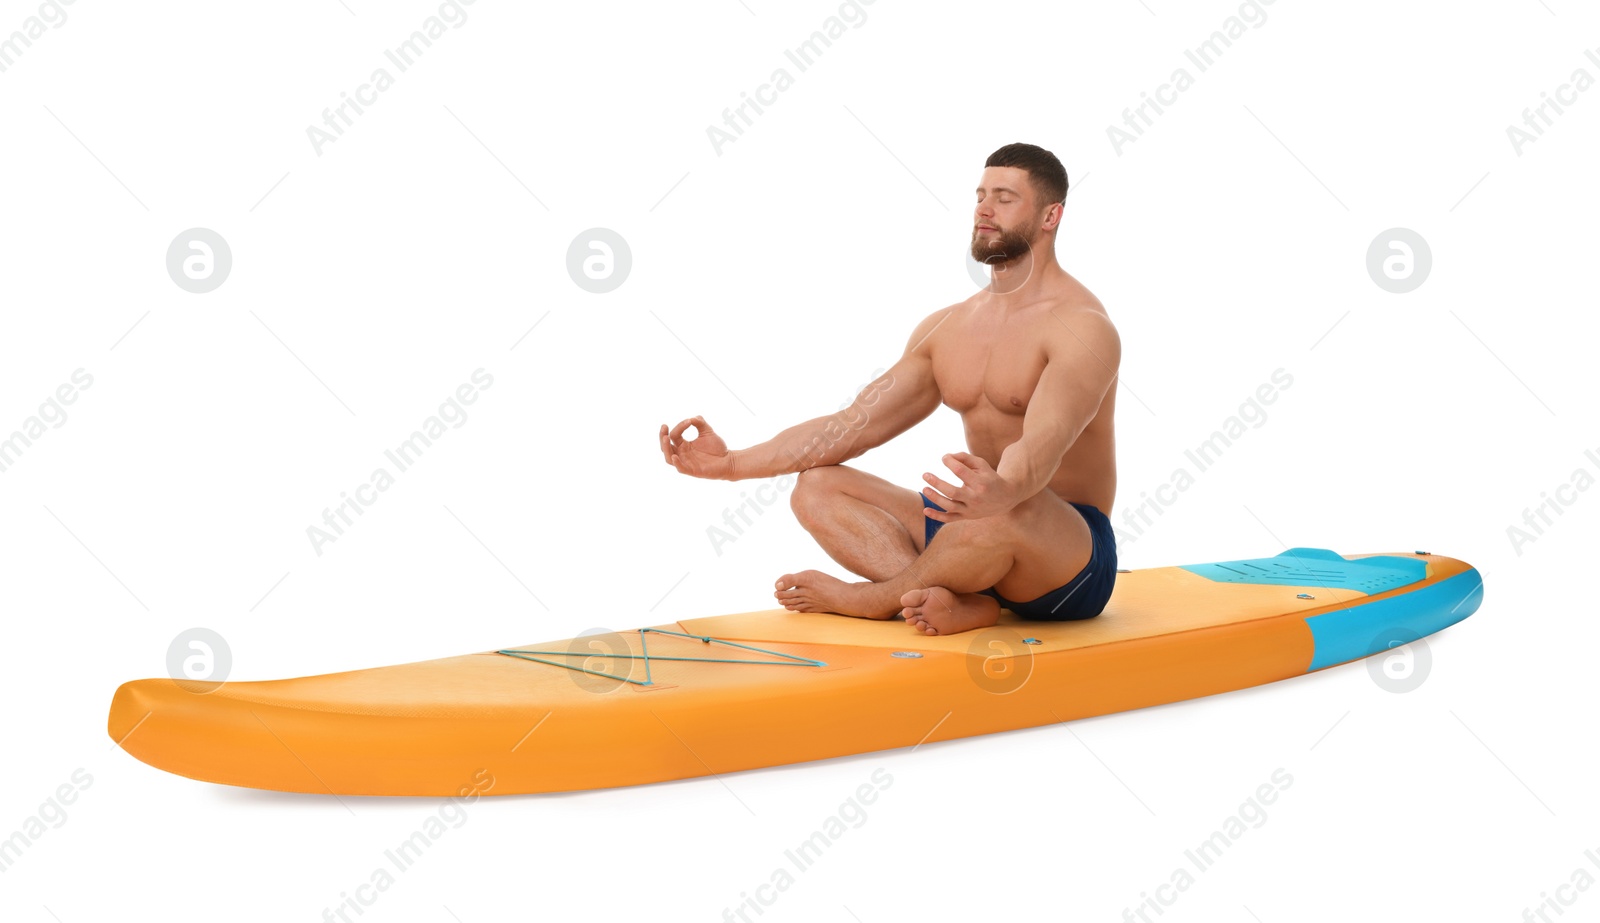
(1082, 356)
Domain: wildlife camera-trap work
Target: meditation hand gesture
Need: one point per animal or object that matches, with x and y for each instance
(705, 456)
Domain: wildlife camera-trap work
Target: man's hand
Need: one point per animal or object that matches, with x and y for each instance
(705, 456)
(983, 492)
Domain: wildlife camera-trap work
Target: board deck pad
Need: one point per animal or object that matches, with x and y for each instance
(770, 687)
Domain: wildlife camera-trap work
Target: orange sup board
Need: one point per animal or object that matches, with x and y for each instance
(725, 693)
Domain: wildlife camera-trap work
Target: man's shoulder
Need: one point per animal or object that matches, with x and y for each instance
(928, 326)
(1071, 325)
(1090, 313)
(1070, 296)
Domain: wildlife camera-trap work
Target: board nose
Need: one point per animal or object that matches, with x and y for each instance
(132, 704)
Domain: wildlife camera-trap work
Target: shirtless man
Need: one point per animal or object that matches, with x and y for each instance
(1030, 363)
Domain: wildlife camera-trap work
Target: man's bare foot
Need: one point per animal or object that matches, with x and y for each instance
(938, 611)
(814, 591)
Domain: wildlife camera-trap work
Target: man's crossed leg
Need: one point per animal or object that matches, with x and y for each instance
(878, 530)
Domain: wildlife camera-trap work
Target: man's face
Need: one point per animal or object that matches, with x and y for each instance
(1004, 220)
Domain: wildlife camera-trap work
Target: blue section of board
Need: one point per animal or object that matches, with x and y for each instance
(1319, 567)
(1367, 628)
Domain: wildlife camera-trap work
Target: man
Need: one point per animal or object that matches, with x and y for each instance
(1030, 363)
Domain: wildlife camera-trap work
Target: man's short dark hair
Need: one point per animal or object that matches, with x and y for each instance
(1044, 170)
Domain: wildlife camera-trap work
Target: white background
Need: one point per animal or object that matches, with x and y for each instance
(768, 283)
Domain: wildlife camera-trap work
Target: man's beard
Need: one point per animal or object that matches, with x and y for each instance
(1004, 247)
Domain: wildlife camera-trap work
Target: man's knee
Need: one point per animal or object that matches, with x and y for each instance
(814, 489)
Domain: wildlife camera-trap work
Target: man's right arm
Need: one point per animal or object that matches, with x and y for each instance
(894, 402)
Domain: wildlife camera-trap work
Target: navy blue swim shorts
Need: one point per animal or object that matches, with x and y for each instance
(1082, 597)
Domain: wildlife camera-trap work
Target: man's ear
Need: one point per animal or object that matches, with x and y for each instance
(1052, 217)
